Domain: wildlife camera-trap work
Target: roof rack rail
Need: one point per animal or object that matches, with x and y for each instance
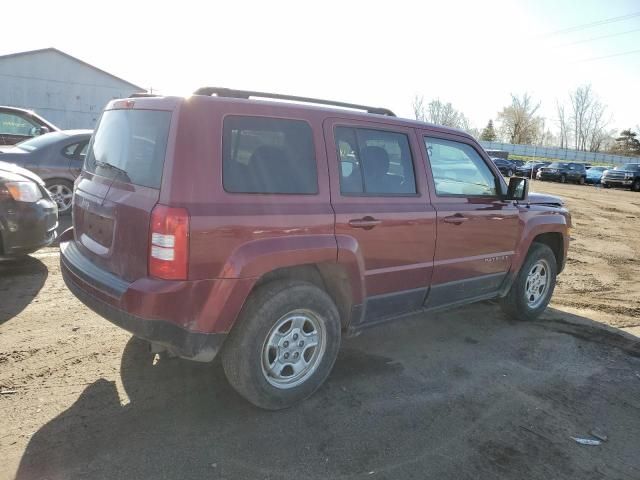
(142, 95)
(230, 93)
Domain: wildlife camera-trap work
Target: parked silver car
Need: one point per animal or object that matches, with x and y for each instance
(55, 157)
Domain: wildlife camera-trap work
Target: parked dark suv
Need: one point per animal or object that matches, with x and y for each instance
(266, 231)
(506, 167)
(563, 172)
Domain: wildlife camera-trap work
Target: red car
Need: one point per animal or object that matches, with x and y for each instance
(264, 231)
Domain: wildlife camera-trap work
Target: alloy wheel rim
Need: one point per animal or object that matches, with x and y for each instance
(293, 349)
(62, 195)
(537, 284)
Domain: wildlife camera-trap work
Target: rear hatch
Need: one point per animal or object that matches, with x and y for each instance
(119, 186)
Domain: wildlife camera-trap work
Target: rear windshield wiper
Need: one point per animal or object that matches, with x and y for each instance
(109, 166)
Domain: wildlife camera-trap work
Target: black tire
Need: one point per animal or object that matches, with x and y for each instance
(242, 355)
(636, 186)
(563, 179)
(582, 181)
(515, 303)
(604, 185)
(510, 173)
(64, 186)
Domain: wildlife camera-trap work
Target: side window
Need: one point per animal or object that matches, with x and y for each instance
(268, 155)
(374, 162)
(458, 169)
(82, 154)
(11, 124)
(70, 150)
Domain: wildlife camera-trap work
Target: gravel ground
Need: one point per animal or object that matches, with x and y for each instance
(455, 395)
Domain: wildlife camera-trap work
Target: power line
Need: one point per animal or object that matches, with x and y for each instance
(592, 24)
(599, 38)
(607, 56)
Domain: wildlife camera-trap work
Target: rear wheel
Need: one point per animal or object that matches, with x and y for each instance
(563, 179)
(582, 181)
(61, 192)
(532, 289)
(284, 344)
(510, 173)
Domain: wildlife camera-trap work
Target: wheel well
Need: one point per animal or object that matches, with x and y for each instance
(332, 278)
(555, 242)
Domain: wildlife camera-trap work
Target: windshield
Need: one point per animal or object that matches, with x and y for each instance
(41, 141)
(130, 145)
(558, 165)
(629, 166)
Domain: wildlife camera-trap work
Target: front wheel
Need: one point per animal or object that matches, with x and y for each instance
(532, 289)
(284, 344)
(61, 192)
(582, 181)
(563, 179)
(636, 186)
(510, 173)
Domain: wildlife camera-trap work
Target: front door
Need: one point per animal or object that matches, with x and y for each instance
(383, 214)
(477, 230)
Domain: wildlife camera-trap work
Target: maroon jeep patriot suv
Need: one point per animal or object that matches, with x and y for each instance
(265, 230)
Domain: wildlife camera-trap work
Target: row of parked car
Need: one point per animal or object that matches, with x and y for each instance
(622, 176)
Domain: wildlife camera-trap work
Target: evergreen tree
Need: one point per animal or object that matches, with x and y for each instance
(489, 133)
(627, 143)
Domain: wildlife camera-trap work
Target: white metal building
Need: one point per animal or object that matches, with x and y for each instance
(63, 89)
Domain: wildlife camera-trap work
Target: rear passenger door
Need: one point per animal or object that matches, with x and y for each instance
(477, 229)
(383, 213)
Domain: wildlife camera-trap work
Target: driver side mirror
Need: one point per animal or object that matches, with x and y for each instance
(37, 131)
(518, 189)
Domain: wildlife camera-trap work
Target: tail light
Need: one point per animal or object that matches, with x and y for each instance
(169, 243)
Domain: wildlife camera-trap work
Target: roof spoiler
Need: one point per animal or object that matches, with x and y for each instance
(246, 94)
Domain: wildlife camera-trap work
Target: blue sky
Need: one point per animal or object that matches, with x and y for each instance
(473, 54)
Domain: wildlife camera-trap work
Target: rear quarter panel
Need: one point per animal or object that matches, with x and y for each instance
(237, 235)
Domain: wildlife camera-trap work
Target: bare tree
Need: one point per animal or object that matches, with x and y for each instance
(418, 108)
(439, 113)
(563, 121)
(519, 123)
(588, 118)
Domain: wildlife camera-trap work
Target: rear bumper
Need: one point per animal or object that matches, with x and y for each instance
(27, 227)
(191, 345)
(190, 318)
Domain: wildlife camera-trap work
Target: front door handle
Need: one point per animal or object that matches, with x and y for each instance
(456, 219)
(367, 222)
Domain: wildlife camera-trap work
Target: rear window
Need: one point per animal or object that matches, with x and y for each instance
(268, 155)
(130, 145)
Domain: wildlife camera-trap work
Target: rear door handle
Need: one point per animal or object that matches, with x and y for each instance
(456, 219)
(367, 223)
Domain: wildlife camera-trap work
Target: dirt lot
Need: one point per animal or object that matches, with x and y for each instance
(460, 394)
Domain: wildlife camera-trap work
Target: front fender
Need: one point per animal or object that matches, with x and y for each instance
(537, 224)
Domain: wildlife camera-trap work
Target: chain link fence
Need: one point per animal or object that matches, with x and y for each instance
(559, 153)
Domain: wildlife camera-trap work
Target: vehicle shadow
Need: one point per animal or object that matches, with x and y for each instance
(466, 394)
(64, 222)
(20, 282)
